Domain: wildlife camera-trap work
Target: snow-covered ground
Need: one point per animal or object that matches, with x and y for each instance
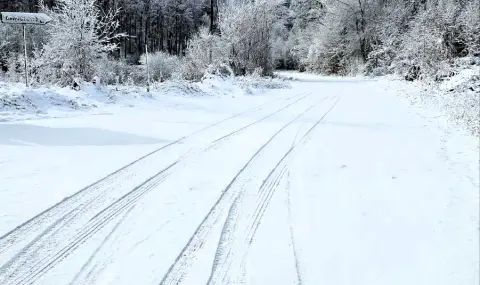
(455, 101)
(331, 181)
(20, 103)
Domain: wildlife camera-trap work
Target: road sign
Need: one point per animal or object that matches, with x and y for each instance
(24, 18)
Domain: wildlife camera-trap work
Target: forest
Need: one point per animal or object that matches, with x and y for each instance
(109, 39)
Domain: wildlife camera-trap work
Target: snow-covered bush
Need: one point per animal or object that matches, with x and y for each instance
(162, 66)
(112, 71)
(257, 81)
(204, 50)
(219, 70)
(458, 97)
(15, 69)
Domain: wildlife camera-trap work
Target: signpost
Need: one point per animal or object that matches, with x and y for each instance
(24, 19)
(148, 68)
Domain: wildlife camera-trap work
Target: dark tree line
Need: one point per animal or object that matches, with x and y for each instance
(162, 25)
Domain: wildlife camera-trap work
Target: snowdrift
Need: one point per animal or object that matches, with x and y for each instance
(457, 98)
(18, 102)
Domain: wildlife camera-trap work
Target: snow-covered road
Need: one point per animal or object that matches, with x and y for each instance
(333, 182)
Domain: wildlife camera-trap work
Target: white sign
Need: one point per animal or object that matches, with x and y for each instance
(24, 18)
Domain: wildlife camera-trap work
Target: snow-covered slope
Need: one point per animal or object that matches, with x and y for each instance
(18, 102)
(456, 100)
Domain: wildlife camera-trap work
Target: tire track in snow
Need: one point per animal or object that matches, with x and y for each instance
(292, 235)
(36, 268)
(61, 208)
(222, 257)
(179, 269)
(97, 250)
(236, 238)
(27, 259)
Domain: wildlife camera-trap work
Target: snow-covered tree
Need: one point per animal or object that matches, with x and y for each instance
(247, 27)
(307, 20)
(78, 36)
(388, 36)
(307, 12)
(204, 50)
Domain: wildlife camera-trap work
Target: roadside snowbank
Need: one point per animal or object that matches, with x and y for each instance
(457, 98)
(19, 102)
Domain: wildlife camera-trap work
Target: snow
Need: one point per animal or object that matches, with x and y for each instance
(455, 100)
(330, 181)
(458, 79)
(20, 103)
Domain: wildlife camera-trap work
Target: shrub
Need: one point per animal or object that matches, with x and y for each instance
(204, 50)
(162, 65)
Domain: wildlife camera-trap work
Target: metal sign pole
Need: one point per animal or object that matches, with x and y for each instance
(148, 69)
(25, 45)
